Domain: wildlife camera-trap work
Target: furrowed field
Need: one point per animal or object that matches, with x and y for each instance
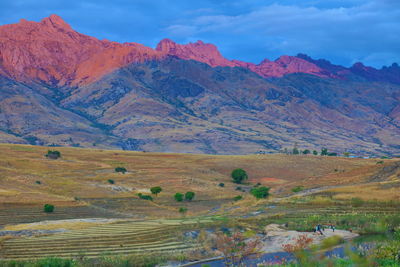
(99, 212)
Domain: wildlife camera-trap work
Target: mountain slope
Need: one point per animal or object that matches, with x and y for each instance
(65, 88)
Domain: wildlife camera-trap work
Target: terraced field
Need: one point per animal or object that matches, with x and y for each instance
(113, 239)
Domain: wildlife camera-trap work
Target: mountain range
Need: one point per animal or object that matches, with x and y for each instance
(61, 87)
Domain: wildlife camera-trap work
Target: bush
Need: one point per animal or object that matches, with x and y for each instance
(237, 198)
(178, 197)
(260, 192)
(297, 189)
(221, 185)
(48, 208)
(145, 197)
(189, 196)
(239, 175)
(315, 153)
(120, 169)
(182, 210)
(53, 154)
(324, 152)
(238, 188)
(332, 154)
(38, 182)
(111, 181)
(331, 241)
(156, 190)
(306, 152)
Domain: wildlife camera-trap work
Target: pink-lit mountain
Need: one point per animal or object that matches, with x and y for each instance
(60, 87)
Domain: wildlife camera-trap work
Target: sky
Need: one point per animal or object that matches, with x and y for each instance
(342, 31)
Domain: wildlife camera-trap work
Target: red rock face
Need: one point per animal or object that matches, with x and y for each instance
(50, 51)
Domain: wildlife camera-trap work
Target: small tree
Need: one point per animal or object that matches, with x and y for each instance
(296, 151)
(120, 169)
(48, 208)
(315, 152)
(111, 181)
(53, 154)
(236, 249)
(306, 151)
(260, 192)
(221, 184)
(178, 197)
(237, 198)
(156, 190)
(324, 152)
(239, 175)
(145, 197)
(189, 196)
(182, 210)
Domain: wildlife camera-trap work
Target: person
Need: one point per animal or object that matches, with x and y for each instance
(318, 229)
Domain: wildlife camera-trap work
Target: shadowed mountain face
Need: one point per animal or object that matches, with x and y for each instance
(64, 88)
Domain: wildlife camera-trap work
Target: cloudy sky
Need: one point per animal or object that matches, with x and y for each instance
(342, 31)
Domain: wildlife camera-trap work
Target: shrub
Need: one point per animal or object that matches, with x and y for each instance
(38, 182)
(48, 208)
(156, 190)
(182, 210)
(111, 181)
(120, 169)
(221, 185)
(239, 175)
(145, 197)
(189, 196)
(380, 162)
(260, 192)
(332, 154)
(238, 188)
(53, 154)
(315, 152)
(237, 198)
(178, 197)
(297, 189)
(306, 152)
(324, 152)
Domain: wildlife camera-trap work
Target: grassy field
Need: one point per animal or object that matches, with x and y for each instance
(333, 188)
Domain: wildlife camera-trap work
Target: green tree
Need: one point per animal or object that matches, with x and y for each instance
(120, 169)
(306, 151)
(53, 154)
(182, 210)
(260, 192)
(156, 190)
(189, 196)
(111, 181)
(315, 152)
(178, 197)
(239, 175)
(324, 152)
(346, 154)
(296, 151)
(145, 197)
(48, 208)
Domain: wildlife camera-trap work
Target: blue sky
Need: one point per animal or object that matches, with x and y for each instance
(343, 32)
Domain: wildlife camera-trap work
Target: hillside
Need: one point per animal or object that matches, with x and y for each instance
(60, 87)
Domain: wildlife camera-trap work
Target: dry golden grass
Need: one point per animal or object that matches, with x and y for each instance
(83, 174)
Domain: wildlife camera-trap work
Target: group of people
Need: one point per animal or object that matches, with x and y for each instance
(320, 228)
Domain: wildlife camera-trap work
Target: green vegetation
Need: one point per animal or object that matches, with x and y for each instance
(38, 182)
(237, 198)
(189, 196)
(260, 192)
(239, 176)
(121, 169)
(306, 152)
(53, 154)
(315, 152)
(182, 210)
(297, 189)
(221, 184)
(48, 208)
(145, 197)
(324, 152)
(156, 190)
(111, 181)
(179, 197)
